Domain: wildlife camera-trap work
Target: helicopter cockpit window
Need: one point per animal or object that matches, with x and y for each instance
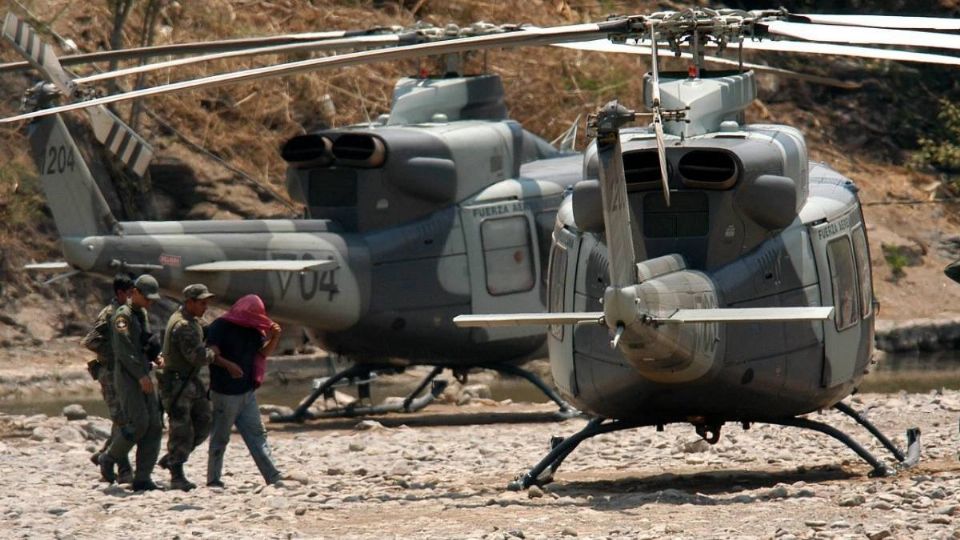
(844, 281)
(863, 267)
(507, 255)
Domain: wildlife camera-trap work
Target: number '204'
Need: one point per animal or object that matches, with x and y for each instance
(57, 159)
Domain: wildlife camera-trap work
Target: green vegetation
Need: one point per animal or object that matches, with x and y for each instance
(942, 152)
(898, 258)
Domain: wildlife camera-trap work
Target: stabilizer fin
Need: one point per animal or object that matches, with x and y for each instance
(760, 314)
(526, 319)
(264, 266)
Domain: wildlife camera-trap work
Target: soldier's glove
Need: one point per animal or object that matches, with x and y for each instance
(152, 347)
(93, 368)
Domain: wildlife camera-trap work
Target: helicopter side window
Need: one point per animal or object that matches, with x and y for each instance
(507, 255)
(862, 253)
(556, 286)
(844, 281)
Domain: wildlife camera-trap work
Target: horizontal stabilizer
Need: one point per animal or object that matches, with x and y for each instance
(682, 316)
(264, 266)
(526, 319)
(47, 266)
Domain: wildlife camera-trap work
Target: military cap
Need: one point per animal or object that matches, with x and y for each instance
(148, 286)
(197, 291)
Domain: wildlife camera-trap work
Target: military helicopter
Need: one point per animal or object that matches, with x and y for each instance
(443, 206)
(705, 271)
(714, 233)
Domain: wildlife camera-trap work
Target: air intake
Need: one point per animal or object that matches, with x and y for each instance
(359, 150)
(642, 169)
(708, 169)
(308, 150)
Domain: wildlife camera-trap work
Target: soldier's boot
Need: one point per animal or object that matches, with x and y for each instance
(106, 468)
(124, 471)
(178, 480)
(144, 485)
(164, 462)
(95, 458)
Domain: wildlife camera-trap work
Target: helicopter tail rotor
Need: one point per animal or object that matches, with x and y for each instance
(120, 139)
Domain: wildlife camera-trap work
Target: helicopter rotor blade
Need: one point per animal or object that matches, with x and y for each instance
(658, 117)
(121, 140)
(201, 47)
(605, 45)
(804, 47)
(358, 42)
(860, 35)
(878, 21)
(520, 37)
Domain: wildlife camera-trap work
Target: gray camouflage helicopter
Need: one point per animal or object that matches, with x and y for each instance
(731, 272)
(443, 206)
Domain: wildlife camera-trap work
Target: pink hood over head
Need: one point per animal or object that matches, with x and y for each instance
(249, 312)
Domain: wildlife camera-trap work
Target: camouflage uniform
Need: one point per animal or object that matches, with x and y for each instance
(184, 355)
(141, 411)
(98, 341)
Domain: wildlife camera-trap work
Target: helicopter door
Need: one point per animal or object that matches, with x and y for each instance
(504, 263)
(839, 287)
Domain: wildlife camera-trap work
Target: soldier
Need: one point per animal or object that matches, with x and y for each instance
(98, 341)
(181, 391)
(135, 388)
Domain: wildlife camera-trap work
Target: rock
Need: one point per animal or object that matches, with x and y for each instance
(940, 520)
(568, 532)
(948, 510)
(476, 391)
(777, 492)
(334, 471)
(75, 412)
(95, 431)
(300, 511)
(356, 447)
(42, 433)
(696, 446)
(57, 510)
(880, 534)
(534, 492)
(274, 411)
(298, 477)
(815, 523)
(365, 425)
(68, 434)
(854, 499)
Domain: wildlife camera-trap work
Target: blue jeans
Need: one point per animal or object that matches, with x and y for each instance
(239, 410)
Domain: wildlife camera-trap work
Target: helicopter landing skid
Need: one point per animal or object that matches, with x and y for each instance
(566, 410)
(913, 438)
(560, 447)
(360, 371)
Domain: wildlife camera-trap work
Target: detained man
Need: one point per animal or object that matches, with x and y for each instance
(244, 336)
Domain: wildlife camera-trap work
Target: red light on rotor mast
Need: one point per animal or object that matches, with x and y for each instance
(424, 73)
(693, 71)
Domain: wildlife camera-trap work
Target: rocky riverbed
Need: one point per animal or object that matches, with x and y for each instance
(362, 479)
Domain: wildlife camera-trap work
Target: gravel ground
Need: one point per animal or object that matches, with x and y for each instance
(449, 481)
